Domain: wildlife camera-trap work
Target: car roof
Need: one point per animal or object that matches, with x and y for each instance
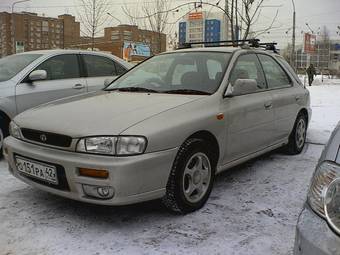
(222, 49)
(63, 51)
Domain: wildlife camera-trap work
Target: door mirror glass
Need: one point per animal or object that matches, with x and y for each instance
(38, 75)
(242, 87)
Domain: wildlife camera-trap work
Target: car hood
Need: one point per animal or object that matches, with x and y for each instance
(101, 113)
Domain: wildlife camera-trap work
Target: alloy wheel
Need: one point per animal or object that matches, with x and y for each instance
(196, 177)
(300, 134)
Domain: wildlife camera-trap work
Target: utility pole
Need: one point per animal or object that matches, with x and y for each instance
(13, 25)
(293, 36)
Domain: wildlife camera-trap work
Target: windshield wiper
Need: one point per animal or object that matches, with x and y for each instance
(187, 92)
(134, 89)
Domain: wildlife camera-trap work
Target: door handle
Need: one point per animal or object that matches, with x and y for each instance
(297, 98)
(268, 105)
(78, 86)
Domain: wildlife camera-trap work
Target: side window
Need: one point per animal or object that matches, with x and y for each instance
(61, 67)
(289, 68)
(248, 67)
(98, 66)
(275, 75)
(120, 69)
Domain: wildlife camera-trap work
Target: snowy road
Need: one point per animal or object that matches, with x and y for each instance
(253, 209)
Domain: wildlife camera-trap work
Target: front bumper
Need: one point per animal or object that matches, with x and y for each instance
(134, 179)
(314, 236)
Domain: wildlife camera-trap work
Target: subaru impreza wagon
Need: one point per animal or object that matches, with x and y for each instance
(164, 129)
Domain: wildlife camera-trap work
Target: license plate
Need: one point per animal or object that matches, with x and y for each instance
(37, 170)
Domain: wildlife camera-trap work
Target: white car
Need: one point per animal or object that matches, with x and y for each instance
(36, 77)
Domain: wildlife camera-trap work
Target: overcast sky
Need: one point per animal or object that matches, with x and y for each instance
(317, 13)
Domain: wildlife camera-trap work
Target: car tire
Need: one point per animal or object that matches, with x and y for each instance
(297, 138)
(191, 178)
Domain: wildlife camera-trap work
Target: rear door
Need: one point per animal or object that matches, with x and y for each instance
(250, 117)
(100, 68)
(63, 80)
(285, 96)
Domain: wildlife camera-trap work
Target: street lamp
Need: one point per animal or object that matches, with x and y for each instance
(293, 37)
(120, 22)
(13, 24)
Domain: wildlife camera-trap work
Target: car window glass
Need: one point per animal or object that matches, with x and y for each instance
(12, 65)
(289, 68)
(181, 70)
(175, 72)
(214, 68)
(120, 69)
(61, 67)
(98, 66)
(248, 67)
(275, 75)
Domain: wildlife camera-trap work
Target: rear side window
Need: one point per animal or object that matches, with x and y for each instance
(120, 69)
(98, 66)
(289, 68)
(275, 75)
(61, 67)
(248, 67)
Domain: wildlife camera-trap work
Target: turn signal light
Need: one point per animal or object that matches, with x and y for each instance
(102, 174)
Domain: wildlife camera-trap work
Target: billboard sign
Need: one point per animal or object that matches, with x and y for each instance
(135, 49)
(309, 43)
(195, 15)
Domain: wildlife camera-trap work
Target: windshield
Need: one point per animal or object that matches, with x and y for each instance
(11, 65)
(182, 73)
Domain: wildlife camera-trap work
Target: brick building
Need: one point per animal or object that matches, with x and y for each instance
(115, 37)
(33, 32)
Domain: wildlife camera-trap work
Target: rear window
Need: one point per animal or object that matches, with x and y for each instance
(12, 65)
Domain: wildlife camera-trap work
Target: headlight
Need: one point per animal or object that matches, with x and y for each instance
(111, 145)
(130, 145)
(323, 176)
(332, 205)
(14, 130)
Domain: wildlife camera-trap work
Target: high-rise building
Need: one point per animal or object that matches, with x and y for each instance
(26, 31)
(204, 26)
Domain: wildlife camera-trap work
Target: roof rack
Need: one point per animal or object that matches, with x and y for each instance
(254, 43)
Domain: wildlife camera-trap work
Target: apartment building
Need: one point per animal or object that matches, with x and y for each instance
(128, 42)
(26, 31)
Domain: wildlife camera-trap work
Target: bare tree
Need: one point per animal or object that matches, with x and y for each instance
(93, 15)
(151, 16)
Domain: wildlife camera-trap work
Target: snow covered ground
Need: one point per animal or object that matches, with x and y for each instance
(253, 208)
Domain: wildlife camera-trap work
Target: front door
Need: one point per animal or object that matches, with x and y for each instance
(249, 117)
(63, 80)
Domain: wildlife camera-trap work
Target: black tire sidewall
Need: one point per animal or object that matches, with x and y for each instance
(193, 148)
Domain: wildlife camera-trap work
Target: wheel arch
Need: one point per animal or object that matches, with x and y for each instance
(211, 140)
(7, 120)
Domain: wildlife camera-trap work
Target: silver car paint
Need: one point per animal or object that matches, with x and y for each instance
(313, 235)
(247, 130)
(15, 97)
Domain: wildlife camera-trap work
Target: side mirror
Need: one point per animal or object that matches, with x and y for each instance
(38, 75)
(241, 87)
(108, 81)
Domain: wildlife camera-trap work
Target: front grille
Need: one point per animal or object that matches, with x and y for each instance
(46, 137)
(62, 181)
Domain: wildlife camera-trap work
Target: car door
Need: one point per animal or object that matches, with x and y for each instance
(249, 117)
(63, 80)
(285, 96)
(98, 69)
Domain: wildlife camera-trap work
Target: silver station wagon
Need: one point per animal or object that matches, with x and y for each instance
(164, 129)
